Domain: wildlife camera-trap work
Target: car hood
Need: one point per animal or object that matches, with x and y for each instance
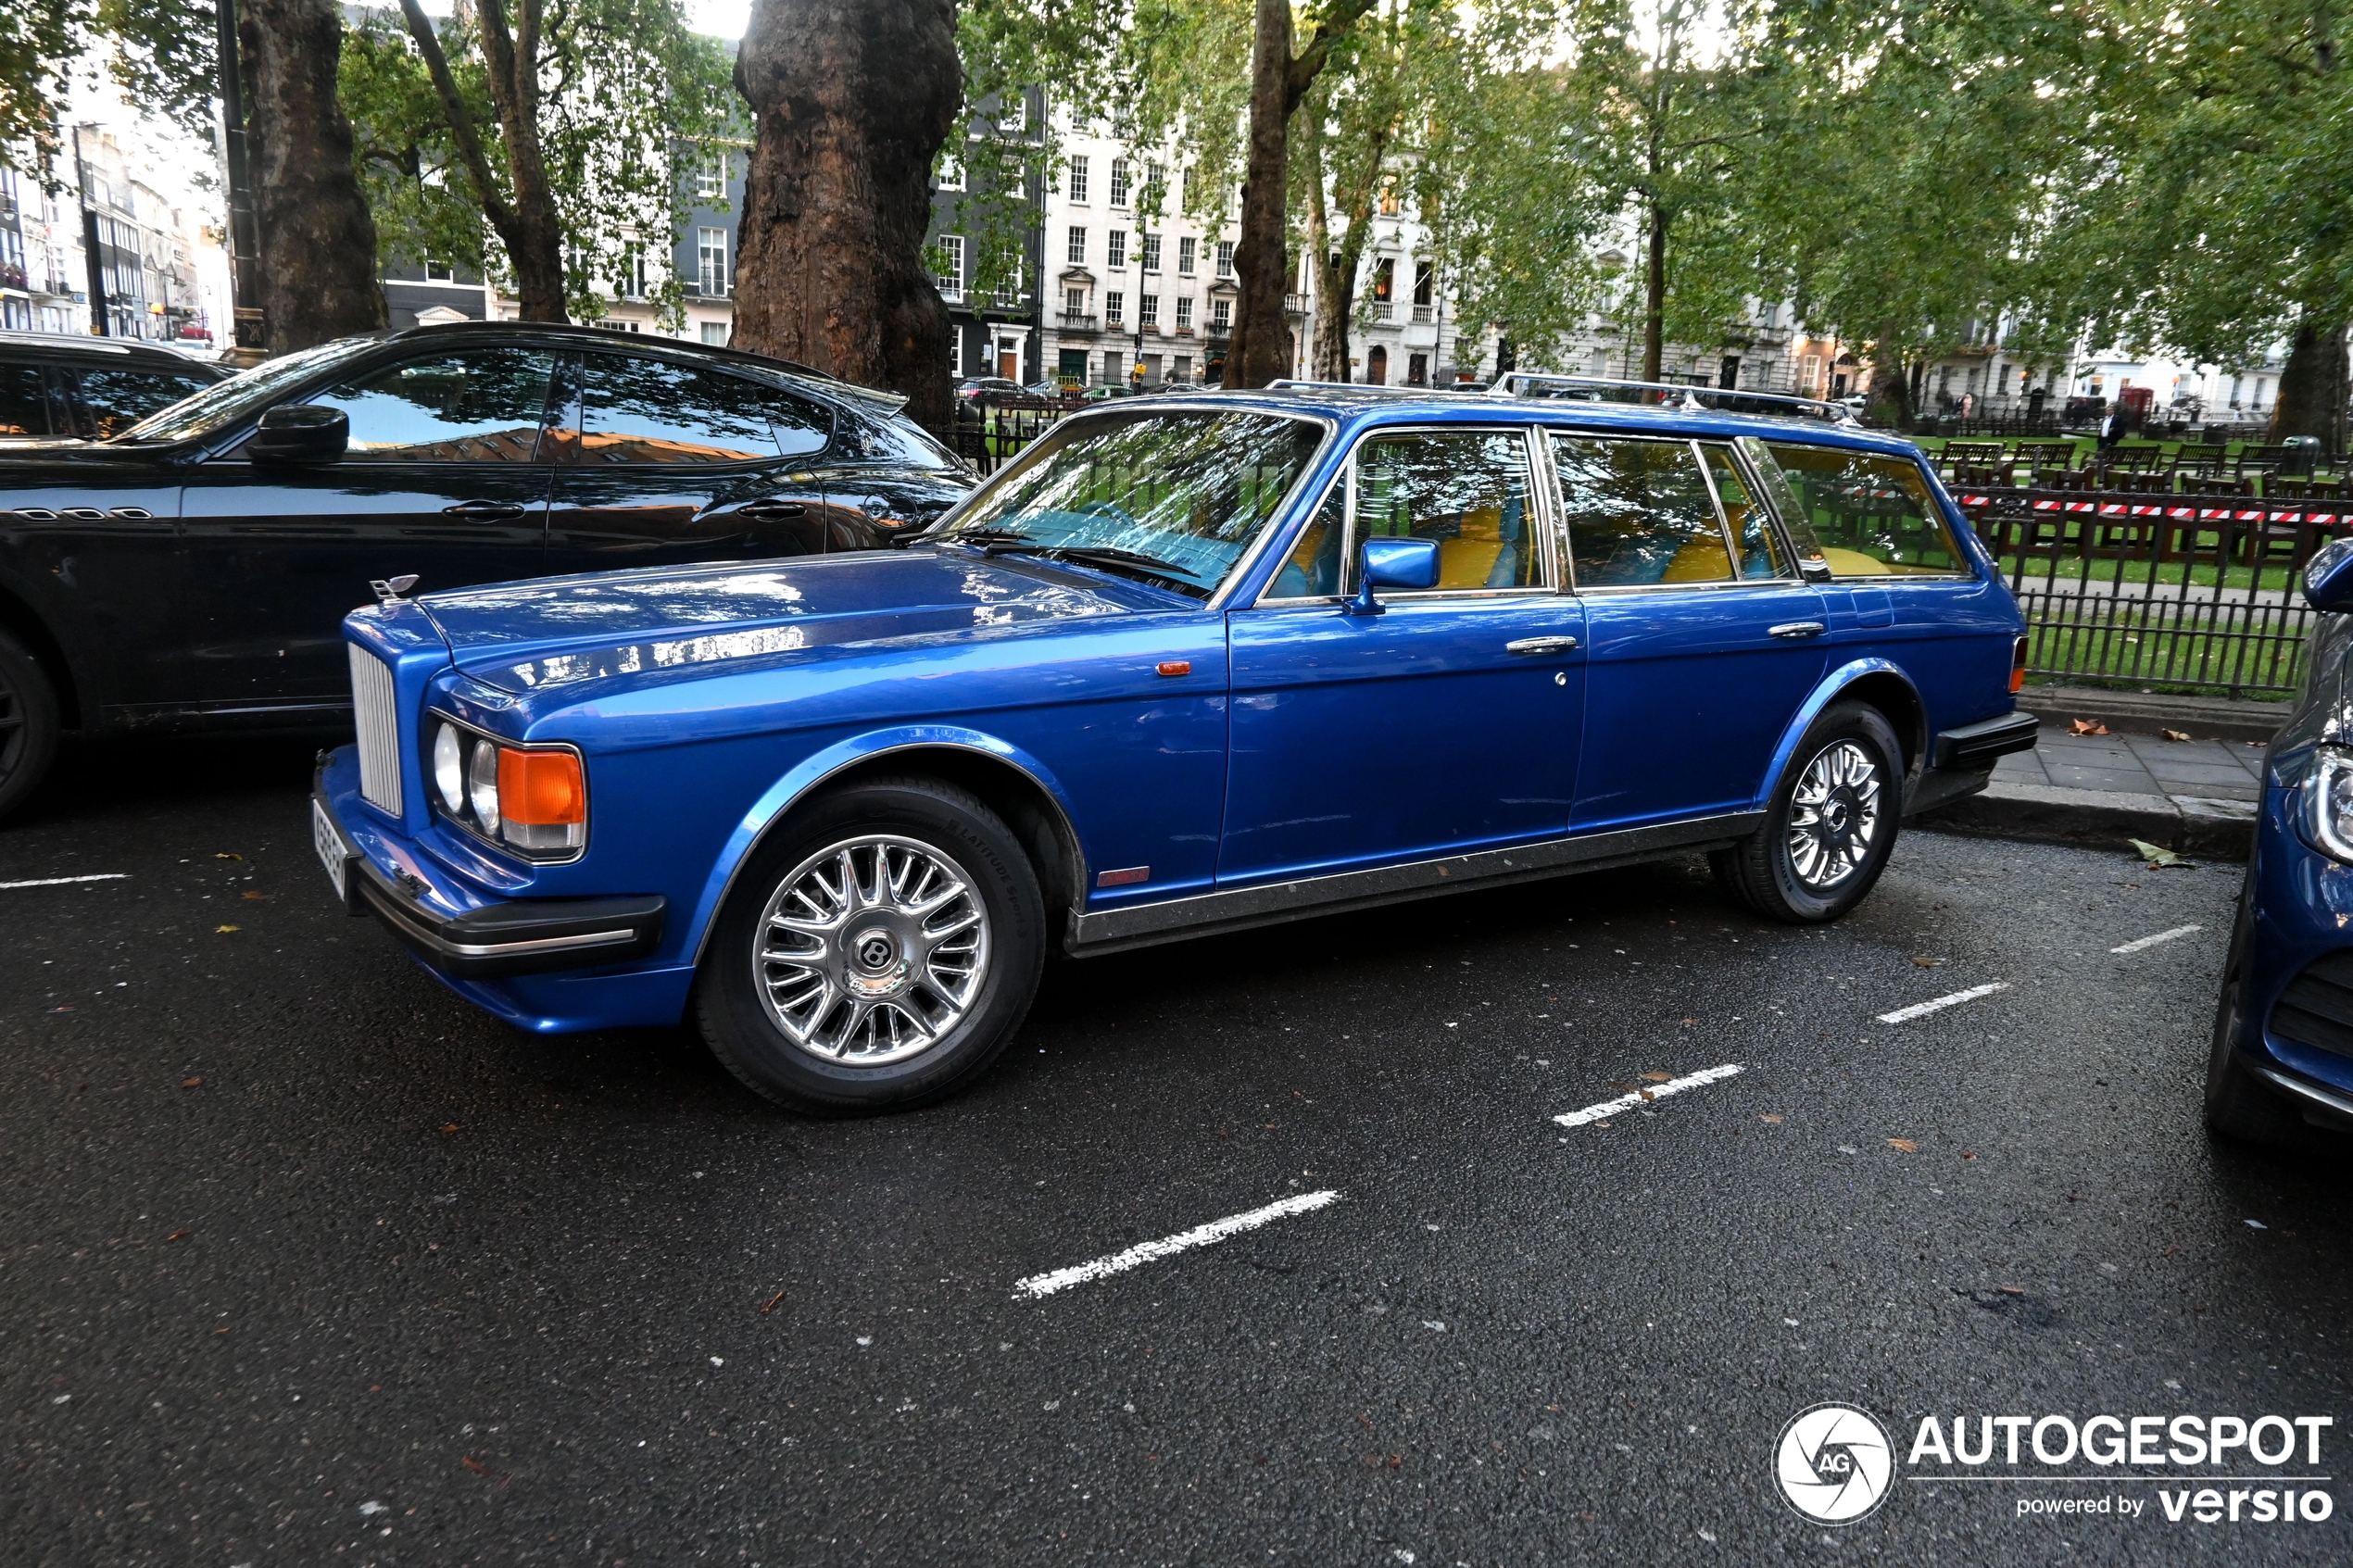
(528, 636)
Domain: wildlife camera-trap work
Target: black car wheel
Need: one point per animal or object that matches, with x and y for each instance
(2238, 1104)
(27, 724)
(1829, 825)
(877, 952)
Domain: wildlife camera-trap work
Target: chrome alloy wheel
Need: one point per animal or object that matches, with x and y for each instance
(871, 950)
(1834, 815)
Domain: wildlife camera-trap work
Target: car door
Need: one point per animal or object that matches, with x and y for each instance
(1702, 640)
(660, 461)
(1447, 722)
(440, 478)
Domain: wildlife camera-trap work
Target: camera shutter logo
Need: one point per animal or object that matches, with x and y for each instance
(1834, 1464)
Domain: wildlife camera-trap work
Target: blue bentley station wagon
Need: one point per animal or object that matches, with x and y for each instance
(1188, 665)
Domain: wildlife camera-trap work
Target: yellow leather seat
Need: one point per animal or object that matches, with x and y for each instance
(1704, 560)
(1468, 559)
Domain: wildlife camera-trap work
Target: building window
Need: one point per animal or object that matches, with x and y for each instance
(1077, 253)
(1119, 181)
(1186, 249)
(1015, 122)
(1148, 312)
(1184, 312)
(1221, 315)
(715, 334)
(1424, 280)
(710, 262)
(710, 176)
(438, 270)
(1115, 307)
(1389, 200)
(948, 265)
(1079, 178)
(1155, 185)
(951, 172)
(631, 282)
(1115, 249)
(1224, 259)
(1074, 302)
(1152, 253)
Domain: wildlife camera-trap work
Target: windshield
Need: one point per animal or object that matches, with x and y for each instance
(223, 402)
(1175, 497)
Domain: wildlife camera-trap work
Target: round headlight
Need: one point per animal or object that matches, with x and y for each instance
(481, 783)
(450, 768)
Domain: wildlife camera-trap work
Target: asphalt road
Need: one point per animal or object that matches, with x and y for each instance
(304, 1261)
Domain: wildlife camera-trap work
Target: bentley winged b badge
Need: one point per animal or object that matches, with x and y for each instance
(389, 589)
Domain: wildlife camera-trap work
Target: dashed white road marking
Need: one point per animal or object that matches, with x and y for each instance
(1921, 1009)
(62, 881)
(1168, 1245)
(2135, 946)
(1660, 1091)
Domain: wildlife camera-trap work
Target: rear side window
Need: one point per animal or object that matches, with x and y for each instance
(1640, 513)
(117, 399)
(24, 408)
(635, 411)
(1872, 514)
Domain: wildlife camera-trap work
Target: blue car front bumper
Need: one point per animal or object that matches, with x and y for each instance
(2296, 979)
(544, 964)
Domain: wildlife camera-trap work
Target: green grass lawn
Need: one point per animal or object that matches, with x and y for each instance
(2167, 653)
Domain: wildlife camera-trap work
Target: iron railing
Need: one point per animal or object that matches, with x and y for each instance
(2141, 589)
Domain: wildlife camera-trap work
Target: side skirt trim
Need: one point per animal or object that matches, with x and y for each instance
(1114, 931)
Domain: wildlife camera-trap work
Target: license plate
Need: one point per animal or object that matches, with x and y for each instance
(332, 855)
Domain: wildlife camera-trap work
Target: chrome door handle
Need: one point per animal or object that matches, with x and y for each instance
(486, 511)
(1543, 644)
(771, 512)
(1797, 629)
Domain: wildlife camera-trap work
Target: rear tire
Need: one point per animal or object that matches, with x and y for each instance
(1829, 825)
(876, 952)
(29, 725)
(2240, 1106)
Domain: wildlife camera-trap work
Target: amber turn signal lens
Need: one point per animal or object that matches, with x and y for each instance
(2017, 667)
(541, 789)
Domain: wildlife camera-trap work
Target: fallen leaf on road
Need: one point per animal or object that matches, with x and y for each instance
(222, 1329)
(1660, 1077)
(1925, 962)
(2087, 727)
(770, 1305)
(484, 1471)
(1906, 1145)
(178, 1235)
(225, 855)
(452, 1127)
(1774, 1120)
(190, 1082)
(259, 898)
(1647, 1094)
(1597, 1125)
(2011, 1289)
(219, 930)
(2156, 855)
(2168, 1252)
(1969, 1155)
(2173, 734)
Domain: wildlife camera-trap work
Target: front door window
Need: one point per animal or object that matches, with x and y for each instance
(484, 406)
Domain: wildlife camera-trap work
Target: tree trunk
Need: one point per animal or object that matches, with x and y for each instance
(536, 248)
(854, 99)
(1261, 349)
(1655, 296)
(318, 239)
(2312, 388)
(1328, 345)
(1335, 287)
(1890, 401)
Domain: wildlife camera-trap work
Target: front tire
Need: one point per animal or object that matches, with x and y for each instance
(29, 725)
(1830, 823)
(877, 952)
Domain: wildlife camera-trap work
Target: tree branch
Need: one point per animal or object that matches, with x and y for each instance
(461, 123)
(1309, 62)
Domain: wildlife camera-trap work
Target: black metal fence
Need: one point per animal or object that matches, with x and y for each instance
(987, 432)
(2129, 587)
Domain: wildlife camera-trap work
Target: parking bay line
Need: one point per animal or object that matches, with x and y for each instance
(1921, 1009)
(2135, 946)
(62, 881)
(1038, 1285)
(1643, 1096)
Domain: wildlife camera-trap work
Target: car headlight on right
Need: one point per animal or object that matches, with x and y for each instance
(2328, 804)
(532, 801)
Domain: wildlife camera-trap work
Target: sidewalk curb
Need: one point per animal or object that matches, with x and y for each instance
(2052, 814)
(2148, 713)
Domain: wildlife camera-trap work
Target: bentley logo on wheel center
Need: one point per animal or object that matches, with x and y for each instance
(1834, 1464)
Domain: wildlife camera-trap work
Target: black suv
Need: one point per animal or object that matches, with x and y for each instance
(56, 385)
(193, 573)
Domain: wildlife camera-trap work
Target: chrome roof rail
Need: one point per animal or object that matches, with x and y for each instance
(1300, 383)
(1696, 399)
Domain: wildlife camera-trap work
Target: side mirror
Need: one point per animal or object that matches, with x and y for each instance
(1391, 563)
(300, 433)
(2328, 576)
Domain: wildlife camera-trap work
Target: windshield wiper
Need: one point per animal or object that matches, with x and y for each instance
(984, 536)
(1105, 556)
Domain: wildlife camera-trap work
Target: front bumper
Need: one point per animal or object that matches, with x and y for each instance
(2295, 1032)
(493, 939)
